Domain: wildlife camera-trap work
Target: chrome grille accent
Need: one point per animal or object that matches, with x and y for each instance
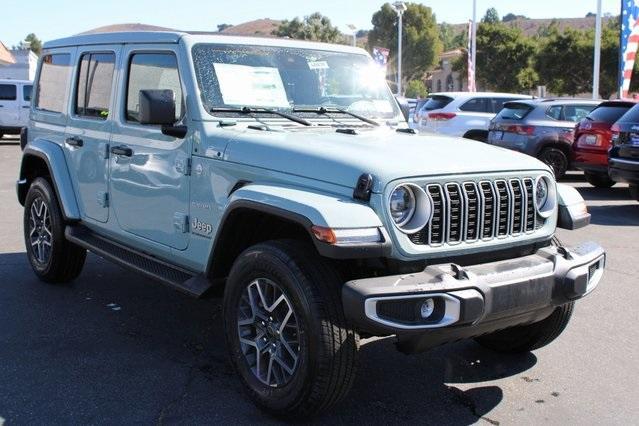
(472, 211)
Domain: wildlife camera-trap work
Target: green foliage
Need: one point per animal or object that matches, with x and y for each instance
(416, 89)
(35, 43)
(421, 44)
(512, 17)
(491, 16)
(315, 27)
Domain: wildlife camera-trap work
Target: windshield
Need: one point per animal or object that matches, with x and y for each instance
(281, 78)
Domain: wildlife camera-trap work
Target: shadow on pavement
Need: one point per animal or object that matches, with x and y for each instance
(115, 345)
(618, 215)
(590, 193)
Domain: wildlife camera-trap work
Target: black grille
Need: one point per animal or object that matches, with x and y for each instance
(469, 211)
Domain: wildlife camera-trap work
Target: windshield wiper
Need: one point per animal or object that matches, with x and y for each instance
(324, 111)
(250, 110)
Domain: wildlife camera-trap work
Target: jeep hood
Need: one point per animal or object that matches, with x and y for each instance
(339, 158)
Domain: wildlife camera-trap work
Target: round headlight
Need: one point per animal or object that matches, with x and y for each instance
(541, 193)
(545, 196)
(410, 207)
(402, 205)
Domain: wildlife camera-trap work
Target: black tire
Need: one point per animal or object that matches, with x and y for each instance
(599, 180)
(556, 159)
(526, 338)
(327, 345)
(634, 192)
(62, 260)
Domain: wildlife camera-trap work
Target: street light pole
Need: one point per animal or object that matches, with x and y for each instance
(353, 29)
(400, 8)
(473, 44)
(597, 62)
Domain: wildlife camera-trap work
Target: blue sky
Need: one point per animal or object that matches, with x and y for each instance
(51, 19)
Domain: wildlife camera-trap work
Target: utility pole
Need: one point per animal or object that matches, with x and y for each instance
(474, 41)
(400, 8)
(597, 62)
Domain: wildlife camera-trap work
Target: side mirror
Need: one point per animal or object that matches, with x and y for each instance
(157, 107)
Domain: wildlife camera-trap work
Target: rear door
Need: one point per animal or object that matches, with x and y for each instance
(89, 127)
(9, 105)
(570, 115)
(25, 103)
(475, 113)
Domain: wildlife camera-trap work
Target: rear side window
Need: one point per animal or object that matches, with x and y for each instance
(477, 105)
(437, 102)
(632, 116)
(514, 111)
(149, 71)
(26, 92)
(608, 114)
(95, 78)
(52, 86)
(554, 112)
(575, 113)
(8, 92)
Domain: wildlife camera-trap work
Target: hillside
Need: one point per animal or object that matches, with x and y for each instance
(531, 27)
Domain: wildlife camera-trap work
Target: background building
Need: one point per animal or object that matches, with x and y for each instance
(24, 66)
(5, 55)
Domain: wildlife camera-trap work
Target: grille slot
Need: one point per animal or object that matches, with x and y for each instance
(471, 211)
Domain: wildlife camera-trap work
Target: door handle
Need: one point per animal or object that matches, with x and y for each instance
(26, 106)
(74, 141)
(122, 150)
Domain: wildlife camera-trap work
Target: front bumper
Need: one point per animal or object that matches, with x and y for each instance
(474, 300)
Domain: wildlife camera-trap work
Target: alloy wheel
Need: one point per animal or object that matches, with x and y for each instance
(269, 331)
(40, 235)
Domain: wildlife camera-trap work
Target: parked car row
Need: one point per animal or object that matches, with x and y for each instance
(15, 102)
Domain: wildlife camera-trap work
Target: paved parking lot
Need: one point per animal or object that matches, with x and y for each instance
(116, 348)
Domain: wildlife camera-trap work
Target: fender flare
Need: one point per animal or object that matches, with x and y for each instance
(306, 208)
(53, 156)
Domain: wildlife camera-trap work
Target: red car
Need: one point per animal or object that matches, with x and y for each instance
(593, 140)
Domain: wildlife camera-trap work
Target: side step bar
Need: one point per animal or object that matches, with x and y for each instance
(181, 279)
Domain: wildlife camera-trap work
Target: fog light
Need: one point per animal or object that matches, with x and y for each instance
(427, 308)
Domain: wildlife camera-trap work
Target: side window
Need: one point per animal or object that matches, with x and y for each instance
(577, 113)
(95, 78)
(8, 92)
(476, 105)
(498, 103)
(554, 112)
(26, 92)
(52, 86)
(148, 71)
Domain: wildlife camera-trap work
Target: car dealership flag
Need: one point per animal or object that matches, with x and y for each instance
(471, 64)
(629, 43)
(380, 55)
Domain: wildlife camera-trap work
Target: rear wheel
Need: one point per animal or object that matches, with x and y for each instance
(599, 180)
(285, 329)
(556, 159)
(52, 257)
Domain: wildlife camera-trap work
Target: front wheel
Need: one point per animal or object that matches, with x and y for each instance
(556, 159)
(525, 338)
(599, 180)
(52, 257)
(285, 329)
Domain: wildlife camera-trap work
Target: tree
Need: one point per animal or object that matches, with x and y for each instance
(314, 27)
(491, 16)
(504, 59)
(512, 17)
(416, 89)
(222, 27)
(35, 44)
(421, 45)
(608, 79)
(564, 62)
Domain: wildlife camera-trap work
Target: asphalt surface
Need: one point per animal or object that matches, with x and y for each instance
(116, 348)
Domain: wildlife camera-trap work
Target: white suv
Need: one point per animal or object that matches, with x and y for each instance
(15, 103)
(465, 114)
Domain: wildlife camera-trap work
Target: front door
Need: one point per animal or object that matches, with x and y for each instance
(149, 170)
(9, 105)
(89, 128)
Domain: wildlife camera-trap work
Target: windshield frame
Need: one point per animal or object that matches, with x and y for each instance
(392, 116)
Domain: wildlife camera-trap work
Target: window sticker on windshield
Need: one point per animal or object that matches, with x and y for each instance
(251, 86)
(318, 65)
